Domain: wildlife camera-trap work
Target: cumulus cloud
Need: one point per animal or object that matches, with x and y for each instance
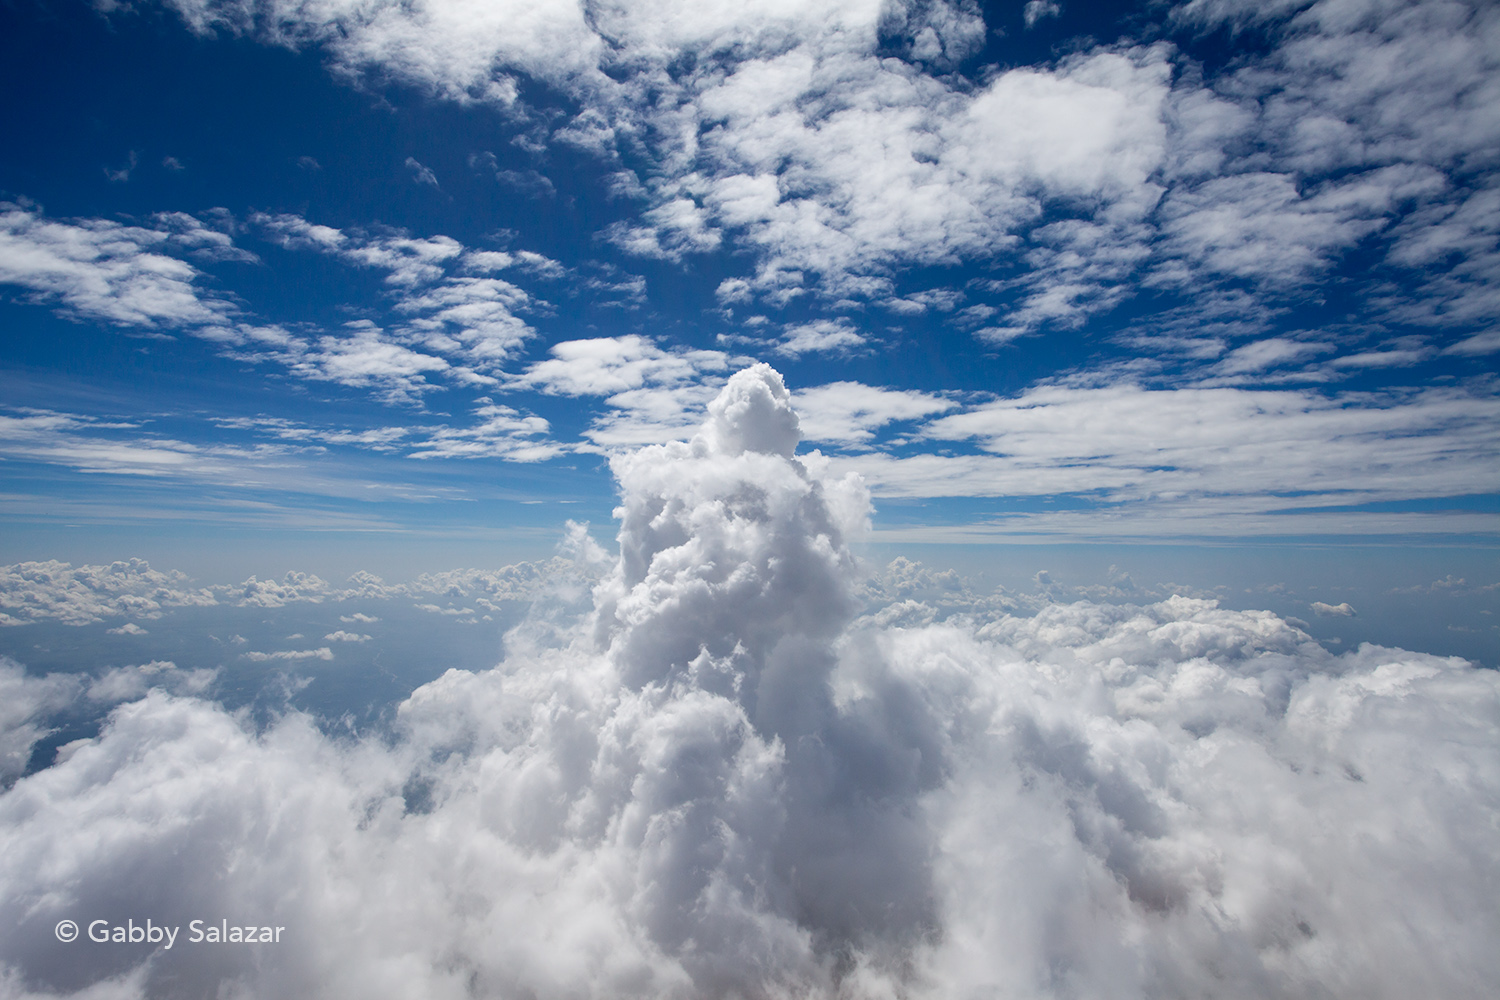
(1342, 610)
(104, 271)
(59, 591)
(712, 778)
(129, 628)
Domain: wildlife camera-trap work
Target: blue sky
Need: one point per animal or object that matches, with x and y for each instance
(276, 274)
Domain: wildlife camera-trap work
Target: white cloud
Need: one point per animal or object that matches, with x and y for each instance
(652, 415)
(83, 595)
(342, 636)
(1257, 226)
(607, 366)
(501, 432)
(498, 432)
(368, 358)
(322, 653)
(129, 628)
(903, 169)
(791, 131)
(1129, 442)
(1342, 610)
(25, 703)
(452, 309)
(129, 683)
(386, 438)
(715, 781)
(474, 318)
(99, 270)
(122, 174)
(1391, 101)
(294, 587)
(1487, 342)
(1208, 461)
(93, 446)
(849, 413)
(817, 337)
(1036, 10)
(421, 174)
(1273, 352)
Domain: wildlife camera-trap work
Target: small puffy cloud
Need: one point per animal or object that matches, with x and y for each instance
(121, 174)
(129, 628)
(1037, 10)
(342, 636)
(1332, 610)
(421, 174)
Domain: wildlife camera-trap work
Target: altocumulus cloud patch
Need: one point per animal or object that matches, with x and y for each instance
(719, 781)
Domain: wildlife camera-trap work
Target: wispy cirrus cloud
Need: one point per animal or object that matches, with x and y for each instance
(1227, 460)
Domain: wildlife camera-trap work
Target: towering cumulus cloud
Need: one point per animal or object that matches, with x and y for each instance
(723, 777)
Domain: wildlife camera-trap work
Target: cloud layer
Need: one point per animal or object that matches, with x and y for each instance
(715, 779)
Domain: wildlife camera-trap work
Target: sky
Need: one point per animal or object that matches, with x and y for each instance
(731, 490)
